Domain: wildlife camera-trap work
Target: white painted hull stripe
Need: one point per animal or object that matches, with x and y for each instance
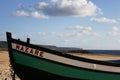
(73, 62)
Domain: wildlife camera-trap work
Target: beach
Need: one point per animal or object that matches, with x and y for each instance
(4, 66)
(101, 57)
(5, 69)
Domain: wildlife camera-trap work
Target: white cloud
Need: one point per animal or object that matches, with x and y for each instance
(65, 41)
(114, 32)
(79, 31)
(118, 41)
(54, 0)
(115, 28)
(37, 15)
(29, 36)
(78, 27)
(76, 8)
(41, 33)
(88, 28)
(41, 5)
(75, 31)
(105, 20)
(84, 41)
(22, 13)
(66, 34)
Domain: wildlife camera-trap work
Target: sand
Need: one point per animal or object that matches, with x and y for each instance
(4, 66)
(4, 60)
(101, 57)
(5, 69)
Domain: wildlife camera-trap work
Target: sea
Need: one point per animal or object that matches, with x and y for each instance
(112, 52)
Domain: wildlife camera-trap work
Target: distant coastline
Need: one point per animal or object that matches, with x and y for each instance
(4, 47)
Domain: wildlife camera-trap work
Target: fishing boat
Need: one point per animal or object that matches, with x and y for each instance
(33, 62)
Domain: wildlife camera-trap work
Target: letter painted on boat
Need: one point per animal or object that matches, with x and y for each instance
(27, 50)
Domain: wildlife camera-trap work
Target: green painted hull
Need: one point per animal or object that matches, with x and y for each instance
(62, 70)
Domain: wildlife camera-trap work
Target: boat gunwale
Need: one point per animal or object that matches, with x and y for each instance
(67, 65)
(58, 53)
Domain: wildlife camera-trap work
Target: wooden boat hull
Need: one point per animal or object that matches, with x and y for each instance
(29, 68)
(31, 64)
(28, 73)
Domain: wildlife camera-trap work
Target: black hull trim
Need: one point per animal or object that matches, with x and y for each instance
(28, 73)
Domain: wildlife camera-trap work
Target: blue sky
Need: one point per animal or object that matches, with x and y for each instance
(88, 24)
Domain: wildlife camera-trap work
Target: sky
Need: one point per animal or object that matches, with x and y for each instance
(87, 24)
